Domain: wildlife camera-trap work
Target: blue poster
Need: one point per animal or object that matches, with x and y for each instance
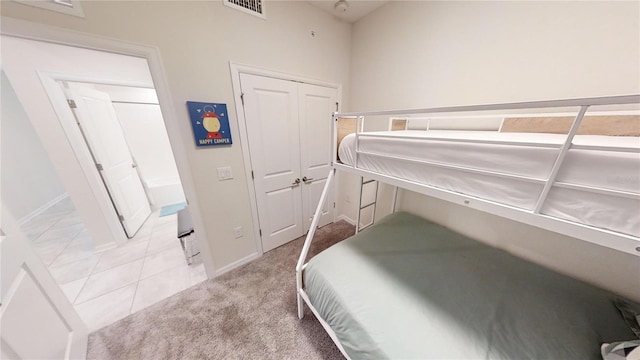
(210, 123)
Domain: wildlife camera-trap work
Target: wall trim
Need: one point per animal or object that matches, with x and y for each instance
(25, 219)
(346, 218)
(238, 263)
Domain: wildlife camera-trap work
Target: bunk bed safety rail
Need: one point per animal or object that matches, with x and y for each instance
(560, 159)
(310, 234)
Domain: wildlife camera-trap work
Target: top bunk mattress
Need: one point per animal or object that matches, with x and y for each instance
(520, 156)
(407, 288)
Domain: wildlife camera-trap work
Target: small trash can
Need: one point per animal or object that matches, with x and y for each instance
(187, 236)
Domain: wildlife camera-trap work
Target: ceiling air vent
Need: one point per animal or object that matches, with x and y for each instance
(253, 7)
(69, 7)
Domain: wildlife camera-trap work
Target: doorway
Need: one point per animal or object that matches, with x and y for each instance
(289, 151)
(105, 275)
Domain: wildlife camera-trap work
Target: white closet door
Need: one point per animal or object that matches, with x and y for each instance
(316, 105)
(271, 113)
(103, 133)
(38, 322)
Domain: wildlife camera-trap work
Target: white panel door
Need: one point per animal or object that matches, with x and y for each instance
(316, 105)
(271, 113)
(37, 321)
(102, 131)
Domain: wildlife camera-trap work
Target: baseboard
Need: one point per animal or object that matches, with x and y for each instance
(238, 263)
(347, 219)
(105, 247)
(25, 219)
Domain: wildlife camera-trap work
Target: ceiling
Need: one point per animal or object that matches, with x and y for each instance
(357, 8)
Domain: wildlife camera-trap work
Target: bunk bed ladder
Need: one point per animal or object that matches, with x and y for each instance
(364, 182)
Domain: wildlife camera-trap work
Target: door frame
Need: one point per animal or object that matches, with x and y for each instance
(50, 34)
(237, 69)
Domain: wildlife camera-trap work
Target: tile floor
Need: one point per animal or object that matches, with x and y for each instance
(105, 287)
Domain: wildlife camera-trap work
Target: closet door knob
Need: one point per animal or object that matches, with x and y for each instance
(296, 182)
(307, 180)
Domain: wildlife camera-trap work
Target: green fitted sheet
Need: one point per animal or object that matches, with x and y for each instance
(410, 289)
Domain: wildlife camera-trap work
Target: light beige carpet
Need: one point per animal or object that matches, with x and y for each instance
(248, 313)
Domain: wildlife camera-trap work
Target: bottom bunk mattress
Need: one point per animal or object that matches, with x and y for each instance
(407, 288)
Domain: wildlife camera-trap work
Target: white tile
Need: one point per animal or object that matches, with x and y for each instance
(160, 286)
(81, 247)
(50, 249)
(142, 234)
(158, 243)
(164, 260)
(70, 220)
(44, 220)
(121, 255)
(50, 255)
(70, 232)
(165, 229)
(173, 218)
(109, 280)
(108, 308)
(34, 231)
(72, 289)
(64, 273)
(52, 243)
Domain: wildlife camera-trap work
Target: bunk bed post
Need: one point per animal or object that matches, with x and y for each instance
(359, 206)
(395, 199)
(334, 138)
(307, 241)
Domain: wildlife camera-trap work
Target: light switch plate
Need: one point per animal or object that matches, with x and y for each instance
(237, 231)
(224, 173)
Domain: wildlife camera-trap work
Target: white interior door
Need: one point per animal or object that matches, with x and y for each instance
(271, 113)
(37, 321)
(316, 105)
(102, 131)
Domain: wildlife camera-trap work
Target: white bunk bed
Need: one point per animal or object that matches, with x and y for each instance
(584, 186)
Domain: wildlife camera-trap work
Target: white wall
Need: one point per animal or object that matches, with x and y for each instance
(29, 181)
(147, 138)
(422, 54)
(197, 40)
(432, 53)
(143, 126)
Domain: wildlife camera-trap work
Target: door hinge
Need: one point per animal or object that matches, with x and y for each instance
(72, 104)
(121, 218)
(242, 98)
(260, 231)
(334, 205)
(252, 178)
(99, 167)
(336, 106)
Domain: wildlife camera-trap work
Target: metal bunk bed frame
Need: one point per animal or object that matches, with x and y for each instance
(622, 242)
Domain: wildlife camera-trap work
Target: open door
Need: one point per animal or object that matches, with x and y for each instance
(38, 322)
(102, 132)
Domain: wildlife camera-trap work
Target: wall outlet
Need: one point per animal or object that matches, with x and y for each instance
(224, 173)
(237, 231)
